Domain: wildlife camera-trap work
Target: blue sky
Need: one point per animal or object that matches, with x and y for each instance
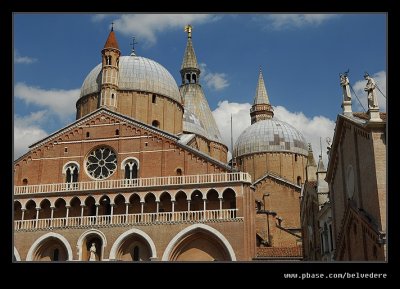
(301, 56)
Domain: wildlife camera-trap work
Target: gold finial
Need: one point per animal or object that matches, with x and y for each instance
(188, 30)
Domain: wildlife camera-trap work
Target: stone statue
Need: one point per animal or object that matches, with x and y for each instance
(369, 88)
(345, 83)
(93, 253)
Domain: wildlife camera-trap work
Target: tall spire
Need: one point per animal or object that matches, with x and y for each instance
(190, 70)
(261, 108)
(321, 167)
(310, 157)
(111, 40)
(261, 96)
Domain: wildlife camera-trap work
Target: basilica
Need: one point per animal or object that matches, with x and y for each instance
(142, 174)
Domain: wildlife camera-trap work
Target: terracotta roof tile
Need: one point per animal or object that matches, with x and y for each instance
(111, 41)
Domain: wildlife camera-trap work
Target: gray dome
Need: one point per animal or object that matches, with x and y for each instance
(270, 135)
(192, 124)
(136, 73)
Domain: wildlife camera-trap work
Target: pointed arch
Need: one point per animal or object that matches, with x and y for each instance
(16, 255)
(193, 228)
(128, 233)
(87, 234)
(45, 237)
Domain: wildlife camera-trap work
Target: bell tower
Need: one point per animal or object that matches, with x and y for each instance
(110, 72)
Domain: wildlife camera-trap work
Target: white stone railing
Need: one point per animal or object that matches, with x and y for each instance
(134, 183)
(128, 219)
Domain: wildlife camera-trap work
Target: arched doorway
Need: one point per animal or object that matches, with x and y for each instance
(199, 242)
(50, 247)
(88, 240)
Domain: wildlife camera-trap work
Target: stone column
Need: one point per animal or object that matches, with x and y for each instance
(220, 208)
(51, 216)
(157, 209)
(81, 220)
(126, 211)
(23, 214)
(112, 213)
(67, 215)
(173, 210)
(37, 216)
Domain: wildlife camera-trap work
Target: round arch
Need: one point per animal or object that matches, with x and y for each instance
(86, 234)
(16, 254)
(123, 236)
(194, 227)
(72, 163)
(37, 243)
(123, 163)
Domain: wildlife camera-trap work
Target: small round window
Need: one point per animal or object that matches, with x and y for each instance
(101, 163)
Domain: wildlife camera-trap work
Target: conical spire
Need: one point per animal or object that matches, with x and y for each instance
(261, 96)
(261, 108)
(321, 167)
(111, 40)
(189, 58)
(310, 157)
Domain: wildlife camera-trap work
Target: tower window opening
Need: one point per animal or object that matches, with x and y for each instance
(25, 182)
(295, 157)
(65, 149)
(112, 96)
(298, 180)
(188, 77)
(194, 78)
(108, 60)
(87, 134)
(154, 98)
(117, 132)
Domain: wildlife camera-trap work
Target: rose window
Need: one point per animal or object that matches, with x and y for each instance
(101, 163)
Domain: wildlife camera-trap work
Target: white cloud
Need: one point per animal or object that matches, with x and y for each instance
(27, 131)
(214, 80)
(100, 17)
(59, 101)
(359, 85)
(240, 119)
(285, 21)
(311, 128)
(19, 59)
(146, 26)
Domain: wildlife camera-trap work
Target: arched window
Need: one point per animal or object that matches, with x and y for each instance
(131, 167)
(117, 132)
(154, 98)
(295, 157)
(136, 253)
(188, 77)
(71, 171)
(25, 182)
(117, 61)
(155, 123)
(299, 180)
(108, 60)
(87, 134)
(179, 172)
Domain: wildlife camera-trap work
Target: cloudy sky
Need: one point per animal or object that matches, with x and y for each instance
(301, 56)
